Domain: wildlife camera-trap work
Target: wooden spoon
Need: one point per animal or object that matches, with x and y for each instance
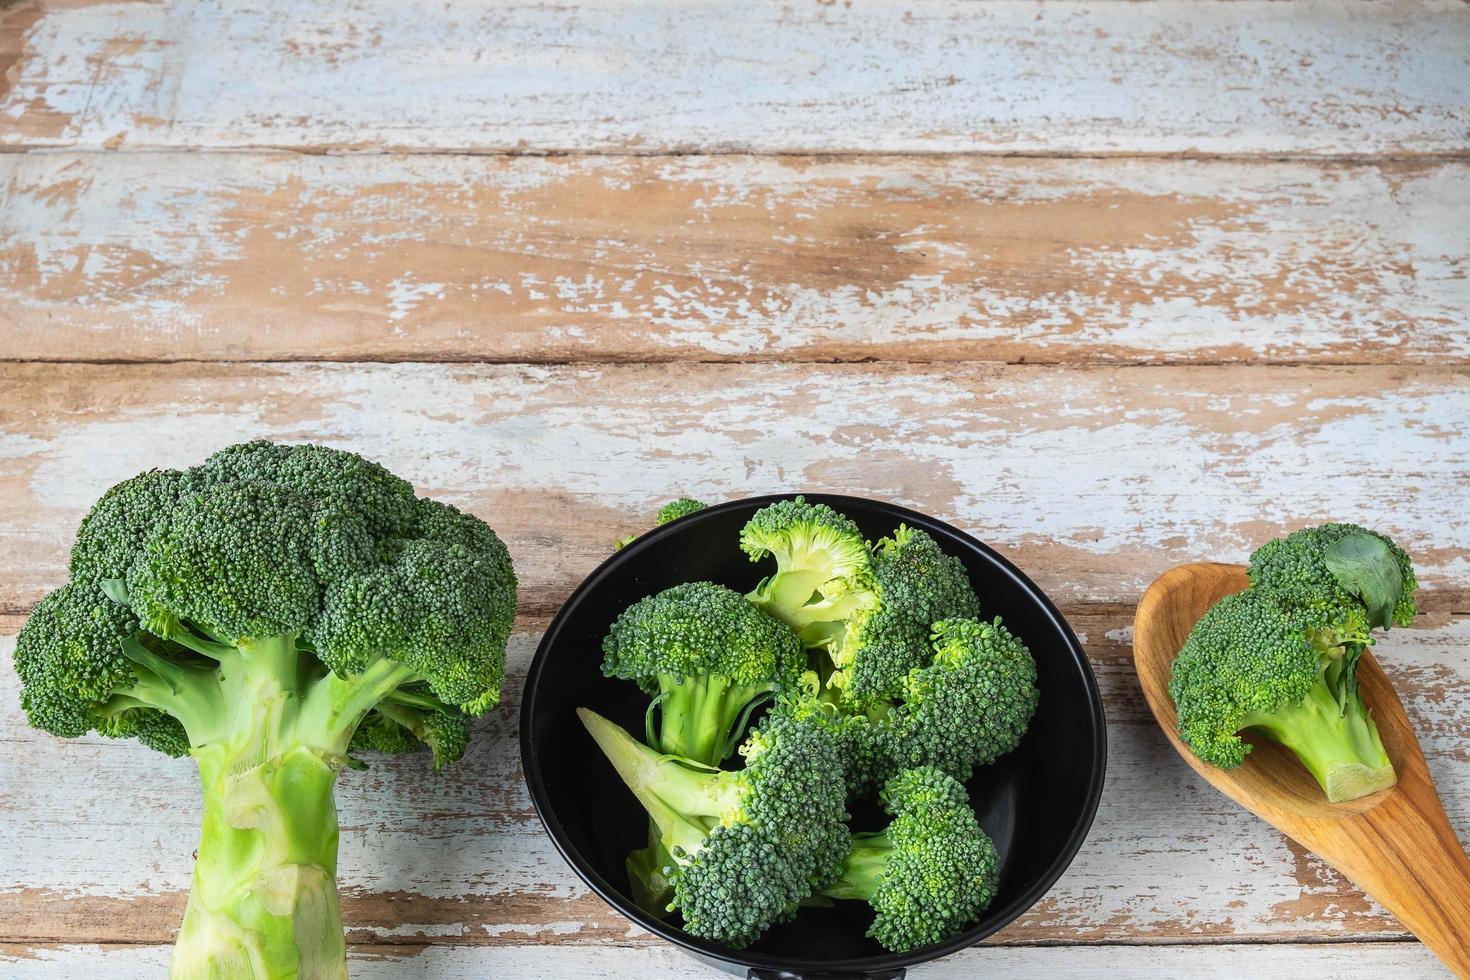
(1397, 844)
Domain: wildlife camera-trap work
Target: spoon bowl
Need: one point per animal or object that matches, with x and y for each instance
(1396, 844)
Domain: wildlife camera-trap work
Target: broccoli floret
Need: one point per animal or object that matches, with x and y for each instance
(912, 586)
(967, 706)
(1280, 663)
(747, 845)
(269, 613)
(705, 654)
(931, 872)
(669, 512)
(710, 659)
(1345, 562)
(822, 564)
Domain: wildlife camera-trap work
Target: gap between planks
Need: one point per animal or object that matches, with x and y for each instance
(841, 155)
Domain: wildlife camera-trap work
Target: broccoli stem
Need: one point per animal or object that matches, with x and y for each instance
(864, 863)
(1336, 740)
(683, 802)
(264, 899)
(697, 715)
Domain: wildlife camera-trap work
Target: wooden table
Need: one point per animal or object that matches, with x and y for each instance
(1113, 286)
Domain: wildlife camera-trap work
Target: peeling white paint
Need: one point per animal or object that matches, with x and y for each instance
(663, 962)
(934, 75)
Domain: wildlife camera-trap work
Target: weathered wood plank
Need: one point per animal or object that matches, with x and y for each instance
(275, 256)
(100, 833)
(1340, 961)
(1093, 480)
(1177, 76)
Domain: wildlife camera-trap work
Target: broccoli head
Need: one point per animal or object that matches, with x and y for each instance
(1281, 664)
(967, 706)
(1343, 564)
(710, 659)
(270, 613)
(822, 563)
(747, 845)
(931, 872)
(705, 654)
(668, 513)
(912, 586)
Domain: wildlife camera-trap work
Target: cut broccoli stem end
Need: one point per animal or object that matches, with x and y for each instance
(650, 886)
(1335, 739)
(862, 867)
(264, 898)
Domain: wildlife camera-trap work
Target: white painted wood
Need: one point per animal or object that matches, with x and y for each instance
(110, 825)
(183, 255)
(1093, 480)
(1175, 76)
(1354, 961)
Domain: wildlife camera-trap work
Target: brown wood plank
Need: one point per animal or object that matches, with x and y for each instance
(272, 256)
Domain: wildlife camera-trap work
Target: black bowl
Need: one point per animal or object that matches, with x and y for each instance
(1037, 803)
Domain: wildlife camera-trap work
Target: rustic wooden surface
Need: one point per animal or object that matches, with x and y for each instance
(1112, 285)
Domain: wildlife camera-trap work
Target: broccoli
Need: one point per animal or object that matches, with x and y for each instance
(1280, 663)
(671, 511)
(967, 706)
(822, 564)
(913, 585)
(1350, 563)
(706, 655)
(747, 845)
(709, 659)
(272, 613)
(929, 873)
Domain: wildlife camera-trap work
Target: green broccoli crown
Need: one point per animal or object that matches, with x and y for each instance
(933, 871)
(915, 585)
(968, 706)
(787, 838)
(1246, 655)
(805, 535)
(77, 676)
(1343, 561)
(303, 549)
(822, 562)
(749, 844)
(675, 509)
(700, 628)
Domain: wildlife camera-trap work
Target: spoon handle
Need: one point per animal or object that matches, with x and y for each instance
(1405, 854)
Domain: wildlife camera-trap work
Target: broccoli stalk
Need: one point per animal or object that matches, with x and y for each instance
(270, 613)
(1332, 733)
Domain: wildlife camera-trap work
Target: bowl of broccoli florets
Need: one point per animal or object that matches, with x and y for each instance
(813, 734)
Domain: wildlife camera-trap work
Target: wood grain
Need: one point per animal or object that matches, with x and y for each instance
(612, 962)
(1396, 844)
(1173, 77)
(1092, 480)
(168, 256)
(100, 833)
